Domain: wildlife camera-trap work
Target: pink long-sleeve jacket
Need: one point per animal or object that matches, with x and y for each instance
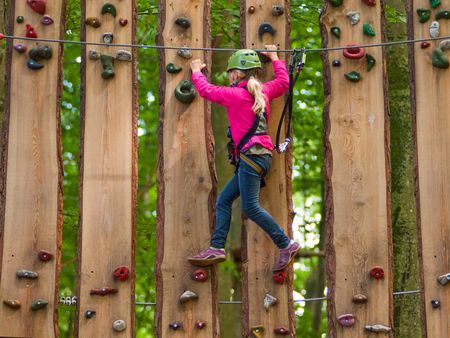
(238, 102)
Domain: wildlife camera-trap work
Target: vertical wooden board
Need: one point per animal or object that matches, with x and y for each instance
(356, 173)
(430, 87)
(31, 187)
(186, 181)
(259, 252)
(108, 176)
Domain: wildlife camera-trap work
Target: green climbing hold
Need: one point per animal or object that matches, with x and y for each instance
(185, 91)
(171, 68)
(40, 52)
(353, 76)
(439, 59)
(442, 14)
(435, 3)
(336, 31)
(109, 8)
(38, 304)
(368, 29)
(370, 62)
(19, 19)
(424, 14)
(336, 3)
(108, 66)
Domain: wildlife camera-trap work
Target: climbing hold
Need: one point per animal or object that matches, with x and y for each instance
(434, 29)
(19, 19)
(282, 331)
(377, 272)
(439, 59)
(353, 52)
(353, 76)
(370, 60)
(103, 291)
(38, 304)
(251, 9)
(183, 22)
(119, 325)
(269, 301)
(108, 37)
(435, 3)
(368, 29)
(31, 32)
(353, 16)
(444, 44)
(46, 20)
(377, 328)
(444, 279)
(435, 303)
(424, 44)
(370, 2)
(199, 275)
(187, 296)
(94, 55)
(171, 68)
(265, 27)
(37, 5)
(184, 53)
(200, 325)
(424, 14)
(336, 63)
(176, 325)
(108, 66)
(89, 314)
(279, 276)
(277, 10)
(258, 331)
(109, 8)
(123, 55)
(27, 274)
(45, 256)
(442, 14)
(121, 272)
(336, 3)
(40, 52)
(336, 31)
(123, 22)
(20, 48)
(185, 91)
(12, 303)
(33, 64)
(93, 22)
(359, 298)
(347, 320)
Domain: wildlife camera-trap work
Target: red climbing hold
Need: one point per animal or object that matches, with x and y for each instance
(425, 44)
(43, 255)
(103, 291)
(370, 2)
(2, 36)
(282, 331)
(279, 276)
(200, 325)
(31, 33)
(353, 52)
(347, 320)
(37, 5)
(121, 273)
(377, 272)
(200, 275)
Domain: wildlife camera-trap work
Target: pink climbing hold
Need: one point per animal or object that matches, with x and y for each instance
(31, 32)
(347, 320)
(37, 5)
(353, 52)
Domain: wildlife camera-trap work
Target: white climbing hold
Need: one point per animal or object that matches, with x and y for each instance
(354, 17)
(444, 44)
(371, 119)
(434, 29)
(269, 300)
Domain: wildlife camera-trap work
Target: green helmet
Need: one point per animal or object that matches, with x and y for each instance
(244, 59)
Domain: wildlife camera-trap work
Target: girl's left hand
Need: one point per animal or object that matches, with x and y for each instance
(197, 65)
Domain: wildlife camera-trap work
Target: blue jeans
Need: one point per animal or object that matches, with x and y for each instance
(246, 183)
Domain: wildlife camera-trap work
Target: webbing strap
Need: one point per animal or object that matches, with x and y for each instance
(252, 164)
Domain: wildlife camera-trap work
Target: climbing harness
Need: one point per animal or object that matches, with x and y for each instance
(298, 59)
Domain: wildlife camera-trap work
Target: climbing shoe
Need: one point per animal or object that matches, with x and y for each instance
(207, 257)
(286, 256)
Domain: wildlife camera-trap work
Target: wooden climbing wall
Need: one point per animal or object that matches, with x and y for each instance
(108, 174)
(356, 173)
(186, 180)
(259, 252)
(31, 178)
(430, 87)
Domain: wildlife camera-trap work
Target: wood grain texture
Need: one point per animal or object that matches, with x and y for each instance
(356, 174)
(31, 188)
(108, 177)
(259, 252)
(430, 102)
(186, 180)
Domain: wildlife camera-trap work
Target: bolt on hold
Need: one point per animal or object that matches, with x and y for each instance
(257, 331)
(176, 326)
(89, 314)
(282, 331)
(200, 275)
(27, 274)
(277, 10)
(183, 22)
(103, 291)
(119, 325)
(45, 256)
(38, 304)
(12, 303)
(266, 28)
(377, 272)
(121, 273)
(347, 320)
(435, 303)
(269, 301)
(377, 328)
(187, 296)
(444, 279)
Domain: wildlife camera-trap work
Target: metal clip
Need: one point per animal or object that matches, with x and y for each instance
(283, 146)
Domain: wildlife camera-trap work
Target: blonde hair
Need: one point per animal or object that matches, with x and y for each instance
(254, 87)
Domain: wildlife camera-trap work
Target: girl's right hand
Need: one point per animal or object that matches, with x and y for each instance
(197, 65)
(271, 52)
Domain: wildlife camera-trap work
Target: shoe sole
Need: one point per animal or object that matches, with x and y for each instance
(289, 261)
(206, 262)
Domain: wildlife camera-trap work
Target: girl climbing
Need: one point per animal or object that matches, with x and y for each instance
(248, 108)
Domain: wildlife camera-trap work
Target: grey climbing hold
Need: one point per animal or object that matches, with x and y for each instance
(108, 37)
(353, 16)
(444, 44)
(444, 279)
(377, 328)
(94, 55)
(277, 10)
(123, 55)
(269, 301)
(119, 325)
(27, 274)
(187, 296)
(184, 53)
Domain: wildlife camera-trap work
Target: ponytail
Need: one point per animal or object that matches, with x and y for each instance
(254, 87)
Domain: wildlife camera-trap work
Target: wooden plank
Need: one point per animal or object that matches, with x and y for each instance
(31, 183)
(186, 181)
(430, 101)
(108, 176)
(259, 252)
(356, 174)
